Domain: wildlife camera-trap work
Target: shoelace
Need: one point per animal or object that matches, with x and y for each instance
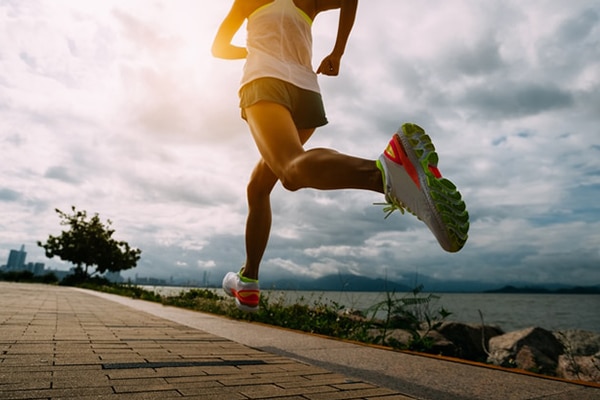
(391, 206)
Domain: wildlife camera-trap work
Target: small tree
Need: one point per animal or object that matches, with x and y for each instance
(89, 243)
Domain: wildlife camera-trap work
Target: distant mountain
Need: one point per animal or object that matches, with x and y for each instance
(513, 289)
(543, 290)
(336, 283)
(355, 283)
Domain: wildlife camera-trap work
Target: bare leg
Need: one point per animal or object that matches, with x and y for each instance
(281, 148)
(258, 224)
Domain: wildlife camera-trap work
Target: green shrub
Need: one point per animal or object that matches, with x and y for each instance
(27, 276)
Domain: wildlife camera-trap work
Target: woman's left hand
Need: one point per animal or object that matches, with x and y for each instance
(329, 66)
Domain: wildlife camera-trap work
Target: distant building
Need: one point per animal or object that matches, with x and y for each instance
(16, 263)
(114, 277)
(36, 268)
(16, 260)
(149, 281)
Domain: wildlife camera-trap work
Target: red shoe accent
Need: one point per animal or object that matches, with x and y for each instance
(435, 171)
(248, 298)
(395, 152)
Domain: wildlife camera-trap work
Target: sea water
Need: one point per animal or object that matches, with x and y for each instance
(510, 312)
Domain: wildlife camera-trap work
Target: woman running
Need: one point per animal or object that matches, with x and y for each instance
(281, 102)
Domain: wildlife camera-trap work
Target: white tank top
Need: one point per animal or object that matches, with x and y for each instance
(279, 43)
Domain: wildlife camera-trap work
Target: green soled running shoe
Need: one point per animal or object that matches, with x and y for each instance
(245, 291)
(413, 182)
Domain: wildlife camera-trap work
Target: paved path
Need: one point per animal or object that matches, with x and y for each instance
(65, 343)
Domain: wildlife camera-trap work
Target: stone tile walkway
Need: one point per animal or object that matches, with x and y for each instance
(60, 343)
(65, 343)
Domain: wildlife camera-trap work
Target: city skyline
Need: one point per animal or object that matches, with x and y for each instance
(16, 262)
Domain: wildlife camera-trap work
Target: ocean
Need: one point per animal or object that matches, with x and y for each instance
(510, 312)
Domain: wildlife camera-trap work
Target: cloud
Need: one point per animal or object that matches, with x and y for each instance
(119, 108)
(513, 99)
(9, 195)
(61, 173)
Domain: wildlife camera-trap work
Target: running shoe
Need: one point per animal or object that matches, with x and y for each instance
(245, 291)
(413, 182)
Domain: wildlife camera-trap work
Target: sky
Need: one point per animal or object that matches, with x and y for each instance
(118, 108)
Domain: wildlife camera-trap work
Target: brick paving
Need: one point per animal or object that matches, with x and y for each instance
(65, 343)
(60, 343)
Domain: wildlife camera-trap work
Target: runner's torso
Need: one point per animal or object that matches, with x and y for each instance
(279, 43)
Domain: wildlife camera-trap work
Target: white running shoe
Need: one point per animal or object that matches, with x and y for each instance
(246, 294)
(413, 182)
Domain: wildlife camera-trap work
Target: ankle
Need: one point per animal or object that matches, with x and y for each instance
(247, 277)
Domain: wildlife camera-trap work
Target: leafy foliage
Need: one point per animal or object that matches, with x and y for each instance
(88, 242)
(132, 291)
(27, 276)
(197, 299)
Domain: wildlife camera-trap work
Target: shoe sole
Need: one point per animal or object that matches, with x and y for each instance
(244, 308)
(241, 306)
(450, 216)
(231, 292)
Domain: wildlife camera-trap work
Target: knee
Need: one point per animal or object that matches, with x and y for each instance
(263, 179)
(291, 176)
(256, 190)
(260, 185)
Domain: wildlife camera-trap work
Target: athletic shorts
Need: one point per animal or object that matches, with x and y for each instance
(306, 107)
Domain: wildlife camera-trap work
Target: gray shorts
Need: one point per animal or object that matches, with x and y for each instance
(306, 107)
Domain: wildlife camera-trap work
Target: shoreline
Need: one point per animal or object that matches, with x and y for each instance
(517, 311)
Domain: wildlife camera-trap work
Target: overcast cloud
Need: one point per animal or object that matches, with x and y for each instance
(118, 108)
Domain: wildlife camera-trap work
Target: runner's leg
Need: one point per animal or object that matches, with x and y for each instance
(258, 224)
(279, 144)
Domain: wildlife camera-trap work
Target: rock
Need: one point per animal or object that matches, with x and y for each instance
(532, 349)
(431, 342)
(398, 336)
(436, 343)
(579, 368)
(579, 343)
(570, 354)
(533, 359)
(581, 358)
(470, 339)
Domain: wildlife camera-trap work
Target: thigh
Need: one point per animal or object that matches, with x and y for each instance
(275, 134)
(305, 134)
(262, 179)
